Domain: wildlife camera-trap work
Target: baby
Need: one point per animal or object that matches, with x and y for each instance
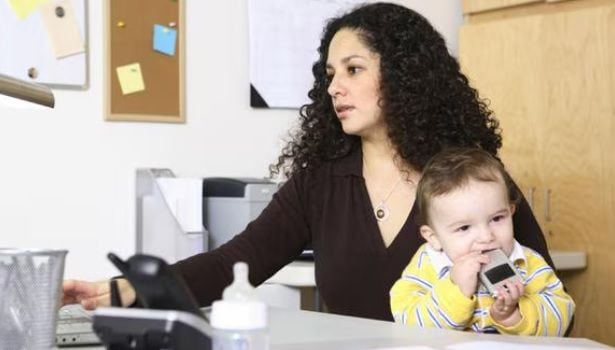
(466, 201)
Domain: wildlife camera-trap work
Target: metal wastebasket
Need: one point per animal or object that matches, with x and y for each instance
(30, 281)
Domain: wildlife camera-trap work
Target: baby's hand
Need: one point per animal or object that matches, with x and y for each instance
(505, 310)
(464, 272)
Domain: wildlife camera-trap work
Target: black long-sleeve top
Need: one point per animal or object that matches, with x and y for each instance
(329, 208)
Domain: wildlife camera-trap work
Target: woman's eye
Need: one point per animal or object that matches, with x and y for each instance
(353, 70)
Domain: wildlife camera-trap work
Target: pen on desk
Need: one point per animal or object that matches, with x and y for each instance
(116, 299)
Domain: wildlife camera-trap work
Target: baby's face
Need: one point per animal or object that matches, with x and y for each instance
(475, 217)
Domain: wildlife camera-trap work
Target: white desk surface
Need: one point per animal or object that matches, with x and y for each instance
(301, 273)
(303, 330)
(297, 330)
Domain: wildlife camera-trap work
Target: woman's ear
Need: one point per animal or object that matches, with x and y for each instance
(430, 236)
(513, 207)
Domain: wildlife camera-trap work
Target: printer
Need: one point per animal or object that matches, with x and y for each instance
(179, 217)
(229, 204)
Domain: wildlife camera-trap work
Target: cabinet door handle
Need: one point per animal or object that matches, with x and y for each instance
(530, 197)
(548, 205)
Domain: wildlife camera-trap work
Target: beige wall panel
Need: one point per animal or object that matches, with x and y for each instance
(473, 6)
(551, 80)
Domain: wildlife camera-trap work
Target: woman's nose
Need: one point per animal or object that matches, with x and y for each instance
(335, 87)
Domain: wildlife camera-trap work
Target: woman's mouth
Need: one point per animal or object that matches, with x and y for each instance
(343, 110)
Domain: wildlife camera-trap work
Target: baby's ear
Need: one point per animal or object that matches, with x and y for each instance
(430, 236)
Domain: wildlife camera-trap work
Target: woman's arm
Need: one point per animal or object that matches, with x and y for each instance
(268, 243)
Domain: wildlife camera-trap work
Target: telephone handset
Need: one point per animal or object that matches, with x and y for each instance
(156, 285)
(170, 318)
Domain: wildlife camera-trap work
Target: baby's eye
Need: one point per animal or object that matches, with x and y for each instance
(462, 228)
(498, 218)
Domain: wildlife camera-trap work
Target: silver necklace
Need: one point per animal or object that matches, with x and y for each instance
(381, 211)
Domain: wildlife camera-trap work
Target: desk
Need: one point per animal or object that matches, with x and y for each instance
(303, 330)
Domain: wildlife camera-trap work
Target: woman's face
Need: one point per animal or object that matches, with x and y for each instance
(354, 75)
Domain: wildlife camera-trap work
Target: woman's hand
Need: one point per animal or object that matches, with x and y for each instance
(95, 294)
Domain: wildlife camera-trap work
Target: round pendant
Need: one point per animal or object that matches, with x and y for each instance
(381, 212)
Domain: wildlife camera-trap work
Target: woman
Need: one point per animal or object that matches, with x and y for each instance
(387, 96)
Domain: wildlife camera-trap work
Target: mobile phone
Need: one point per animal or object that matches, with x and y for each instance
(498, 271)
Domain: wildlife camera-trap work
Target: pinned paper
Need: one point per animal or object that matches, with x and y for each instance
(22, 8)
(62, 28)
(131, 79)
(164, 39)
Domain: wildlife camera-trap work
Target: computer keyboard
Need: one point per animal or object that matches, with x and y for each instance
(75, 327)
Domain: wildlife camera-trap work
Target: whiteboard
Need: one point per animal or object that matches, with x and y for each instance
(24, 44)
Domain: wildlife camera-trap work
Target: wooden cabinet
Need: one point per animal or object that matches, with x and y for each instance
(548, 69)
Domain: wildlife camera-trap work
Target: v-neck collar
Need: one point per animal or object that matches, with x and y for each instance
(352, 165)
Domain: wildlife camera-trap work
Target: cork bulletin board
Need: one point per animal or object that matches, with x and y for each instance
(144, 65)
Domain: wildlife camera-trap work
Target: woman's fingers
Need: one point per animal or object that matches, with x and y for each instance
(73, 291)
(96, 302)
(86, 293)
(95, 294)
(74, 288)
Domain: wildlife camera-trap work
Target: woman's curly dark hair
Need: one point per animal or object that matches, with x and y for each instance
(427, 103)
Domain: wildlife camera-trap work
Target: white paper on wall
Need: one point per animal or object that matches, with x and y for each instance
(62, 29)
(284, 39)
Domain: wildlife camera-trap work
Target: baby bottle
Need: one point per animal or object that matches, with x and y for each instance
(240, 318)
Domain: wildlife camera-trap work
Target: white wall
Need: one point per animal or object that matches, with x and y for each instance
(67, 178)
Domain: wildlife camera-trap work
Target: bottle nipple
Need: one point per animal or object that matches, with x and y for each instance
(240, 289)
(240, 307)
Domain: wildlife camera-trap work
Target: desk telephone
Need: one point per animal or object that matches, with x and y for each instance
(170, 317)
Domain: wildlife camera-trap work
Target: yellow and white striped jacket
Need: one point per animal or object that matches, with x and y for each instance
(425, 296)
